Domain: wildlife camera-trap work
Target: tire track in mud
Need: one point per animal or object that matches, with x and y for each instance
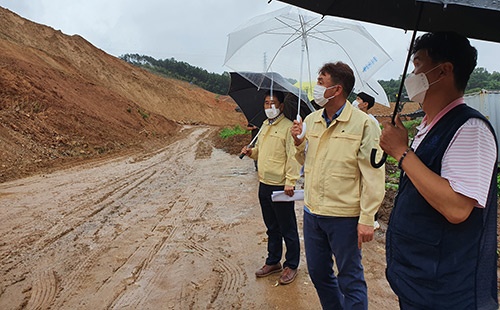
(179, 219)
(186, 213)
(118, 189)
(44, 290)
(230, 276)
(81, 215)
(137, 260)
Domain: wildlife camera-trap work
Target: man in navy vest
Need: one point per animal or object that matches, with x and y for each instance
(441, 238)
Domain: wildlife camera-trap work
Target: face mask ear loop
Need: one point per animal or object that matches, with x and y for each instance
(329, 98)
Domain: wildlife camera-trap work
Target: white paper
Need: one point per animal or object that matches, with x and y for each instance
(281, 196)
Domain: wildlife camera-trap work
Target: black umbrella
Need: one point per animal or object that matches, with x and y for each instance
(478, 19)
(250, 98)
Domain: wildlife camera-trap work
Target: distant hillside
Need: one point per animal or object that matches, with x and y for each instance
(63, 100)
(171, 68)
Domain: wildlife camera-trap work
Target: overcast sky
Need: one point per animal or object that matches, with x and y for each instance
(194, 31)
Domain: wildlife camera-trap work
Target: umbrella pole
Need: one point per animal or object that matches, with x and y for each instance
(299, 119)
(249, 144)
(373, 155)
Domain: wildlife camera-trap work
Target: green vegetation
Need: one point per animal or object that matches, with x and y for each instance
(144, 114)
(498, 184)
(391, 160)
(171, 68)
(393, 175)
(411, 126)
(229, 132)
(482, 79)
(392, 178)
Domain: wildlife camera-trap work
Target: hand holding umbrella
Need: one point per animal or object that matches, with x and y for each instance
(298, 131)
(247, 150)
(394, 138)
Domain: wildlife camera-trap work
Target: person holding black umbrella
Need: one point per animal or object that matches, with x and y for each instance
(342, 191)
(442, 235)
(278, 171)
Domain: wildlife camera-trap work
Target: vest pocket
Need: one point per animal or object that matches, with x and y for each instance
(416, 259)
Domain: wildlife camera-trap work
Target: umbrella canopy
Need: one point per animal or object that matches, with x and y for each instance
(297, 44)
(250, 98)
(373, 88)
(479, 19)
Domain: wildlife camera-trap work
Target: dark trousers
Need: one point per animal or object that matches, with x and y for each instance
(337, 236)
(281, 224)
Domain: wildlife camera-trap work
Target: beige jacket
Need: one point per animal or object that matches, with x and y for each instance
(338, 177)
(275, 153)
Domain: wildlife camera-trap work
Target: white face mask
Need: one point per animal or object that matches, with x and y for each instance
(272, 112)
(355, 104)
(319, 94)
(417, 85)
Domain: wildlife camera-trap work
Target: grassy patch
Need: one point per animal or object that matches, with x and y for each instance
(229, 132)
(411, 126)
(391, 174)
(498, 184)
(144, 114)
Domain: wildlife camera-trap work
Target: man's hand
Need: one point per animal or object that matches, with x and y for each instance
(394, 139)
(289, 190)
(296, 131)
(246, 150)
(365, 234)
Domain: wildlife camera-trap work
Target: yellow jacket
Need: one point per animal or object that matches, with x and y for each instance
(338, 177)
(275, 153)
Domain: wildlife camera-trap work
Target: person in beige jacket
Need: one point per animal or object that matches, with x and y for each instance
(278, 170)
(342, 191)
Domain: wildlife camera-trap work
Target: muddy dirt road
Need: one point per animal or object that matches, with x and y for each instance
(178, 229)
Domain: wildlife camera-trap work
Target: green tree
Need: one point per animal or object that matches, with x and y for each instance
(171, 68)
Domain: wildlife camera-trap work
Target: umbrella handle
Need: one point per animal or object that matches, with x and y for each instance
(373, 157)
(303, 133)
(241, 156)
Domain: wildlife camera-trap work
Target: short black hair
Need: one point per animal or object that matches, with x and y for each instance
(276, 93)
(450, 47)
(340, 73)
(367, 98)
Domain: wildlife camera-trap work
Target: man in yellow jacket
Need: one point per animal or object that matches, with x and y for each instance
(342, 190)
(278, 170)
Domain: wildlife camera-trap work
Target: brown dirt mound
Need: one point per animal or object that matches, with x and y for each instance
(63, 101)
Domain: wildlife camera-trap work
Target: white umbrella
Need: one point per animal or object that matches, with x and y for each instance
(297, 44)
(373, 88)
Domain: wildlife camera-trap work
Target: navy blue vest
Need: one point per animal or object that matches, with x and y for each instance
(432, 263)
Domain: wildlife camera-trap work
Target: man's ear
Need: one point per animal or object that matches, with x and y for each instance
(447, 69)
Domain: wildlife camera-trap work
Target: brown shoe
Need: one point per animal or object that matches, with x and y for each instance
(267, 270)
(288, 275)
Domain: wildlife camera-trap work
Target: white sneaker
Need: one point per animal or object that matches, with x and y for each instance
(376, 225)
